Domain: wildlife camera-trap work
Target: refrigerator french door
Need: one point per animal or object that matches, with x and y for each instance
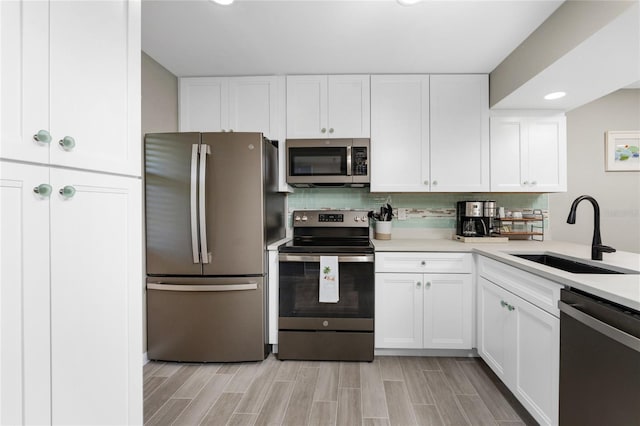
(211, 207)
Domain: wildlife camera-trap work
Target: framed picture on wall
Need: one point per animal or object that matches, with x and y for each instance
(622, 151)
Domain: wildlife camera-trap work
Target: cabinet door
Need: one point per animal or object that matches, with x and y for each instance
(24, 79)
(203, 104)
(537, 357)
(307, 106)
(508, 160)
(25, 391)
(547, 155)
(96, 303)
(399, 133)
(459, 126)
(447, 311)
(253, 105)
(398, 311)
(495, 331)
(95, 85)
(349, 106)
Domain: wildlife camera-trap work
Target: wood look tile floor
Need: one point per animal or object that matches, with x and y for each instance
(388, 391)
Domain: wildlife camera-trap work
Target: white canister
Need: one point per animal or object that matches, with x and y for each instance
(383, 230)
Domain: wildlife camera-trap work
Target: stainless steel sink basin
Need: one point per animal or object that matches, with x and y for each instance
(570, 265)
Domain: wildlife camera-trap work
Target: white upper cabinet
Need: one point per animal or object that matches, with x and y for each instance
(70, 70)
(529, 153)
(334, 106)
(399, 133)
(204, 104)
(459, 133)
(429, 133)
(233, 104)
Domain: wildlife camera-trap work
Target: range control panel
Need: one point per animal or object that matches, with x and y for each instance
(330, 218)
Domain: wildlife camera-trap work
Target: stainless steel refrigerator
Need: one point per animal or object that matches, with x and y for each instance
(212, 206)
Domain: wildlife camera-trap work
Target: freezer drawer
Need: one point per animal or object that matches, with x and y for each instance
(216, 320)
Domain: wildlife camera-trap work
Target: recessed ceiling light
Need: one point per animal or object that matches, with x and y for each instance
(408, 2)
(555, 95)
(223, 2)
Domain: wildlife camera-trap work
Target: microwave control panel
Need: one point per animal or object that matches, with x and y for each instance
(359, 158)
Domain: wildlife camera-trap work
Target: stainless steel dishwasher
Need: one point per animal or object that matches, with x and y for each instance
(599, 361)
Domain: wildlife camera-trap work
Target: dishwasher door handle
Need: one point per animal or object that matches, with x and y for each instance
(619, 336)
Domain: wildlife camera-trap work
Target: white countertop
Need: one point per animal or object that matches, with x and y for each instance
(274, 245)
(621, 289)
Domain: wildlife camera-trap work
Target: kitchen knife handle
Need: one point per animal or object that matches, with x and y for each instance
(194, 204)
(204, 251)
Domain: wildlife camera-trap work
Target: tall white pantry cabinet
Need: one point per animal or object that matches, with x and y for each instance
(70, 213)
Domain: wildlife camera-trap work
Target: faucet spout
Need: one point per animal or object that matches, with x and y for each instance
(596, 243)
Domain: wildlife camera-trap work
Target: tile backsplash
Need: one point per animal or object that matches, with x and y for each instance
(435, 211)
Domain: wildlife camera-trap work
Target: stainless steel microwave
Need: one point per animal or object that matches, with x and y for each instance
(327, 162)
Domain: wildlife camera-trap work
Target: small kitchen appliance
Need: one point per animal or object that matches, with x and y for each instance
(473, 220)
(310, 327)
(327, 162)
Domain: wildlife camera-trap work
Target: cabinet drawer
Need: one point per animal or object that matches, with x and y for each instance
(424, 262)
(534, 289)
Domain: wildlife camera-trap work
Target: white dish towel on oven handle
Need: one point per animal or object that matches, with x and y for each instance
(329, 280)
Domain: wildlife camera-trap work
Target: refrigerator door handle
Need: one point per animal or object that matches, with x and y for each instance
(222, 287)
(204, 250)
(194, 204)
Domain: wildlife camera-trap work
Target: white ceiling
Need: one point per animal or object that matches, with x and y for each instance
(264, 37)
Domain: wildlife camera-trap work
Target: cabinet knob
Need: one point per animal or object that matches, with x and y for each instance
(503, 303)
(423, 263)
(435, 182)
(42, 136)
(534, 182)
(418, 284)
(428, 284)
(67, 143)
(331, 130)
(510, 307)
(323, 130)
(230, 130)
(426, 182)
(68, 191)
(43, 190)
(526, 182)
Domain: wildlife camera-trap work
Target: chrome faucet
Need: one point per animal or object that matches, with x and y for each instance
(596, 244)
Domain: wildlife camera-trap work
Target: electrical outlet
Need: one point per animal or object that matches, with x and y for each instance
(402, 214)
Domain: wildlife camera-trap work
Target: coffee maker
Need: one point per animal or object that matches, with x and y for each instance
(475, 218)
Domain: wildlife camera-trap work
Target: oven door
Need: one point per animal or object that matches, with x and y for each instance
(314, 162)
(300, 308)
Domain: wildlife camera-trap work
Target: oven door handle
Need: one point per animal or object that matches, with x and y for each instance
(286, 257)
(619, 336)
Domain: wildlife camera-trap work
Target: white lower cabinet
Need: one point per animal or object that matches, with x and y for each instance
(423, 310)
(71, 330)
(520, 342)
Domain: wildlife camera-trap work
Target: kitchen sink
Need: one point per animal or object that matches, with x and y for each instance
(571, 265)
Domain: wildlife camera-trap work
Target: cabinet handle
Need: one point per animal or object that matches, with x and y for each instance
(426, 182)
(418, 284)
(428, 284)
(331, 130)
(510, 307)
(43, 190)
(534, 183)
(42, 136)
(525, 183)
(230, 130)
(67, 143)
(503, 303)
(323, 130)
(67, 191)
(434, 183)
(423, 263)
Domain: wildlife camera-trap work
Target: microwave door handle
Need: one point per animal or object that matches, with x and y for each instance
(349, 160)
(194, 204)
(204, 251)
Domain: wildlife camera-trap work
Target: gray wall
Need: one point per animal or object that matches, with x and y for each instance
(159, 114)
(617, 193)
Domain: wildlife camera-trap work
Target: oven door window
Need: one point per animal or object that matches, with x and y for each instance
(329, 161)
(299, 291)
